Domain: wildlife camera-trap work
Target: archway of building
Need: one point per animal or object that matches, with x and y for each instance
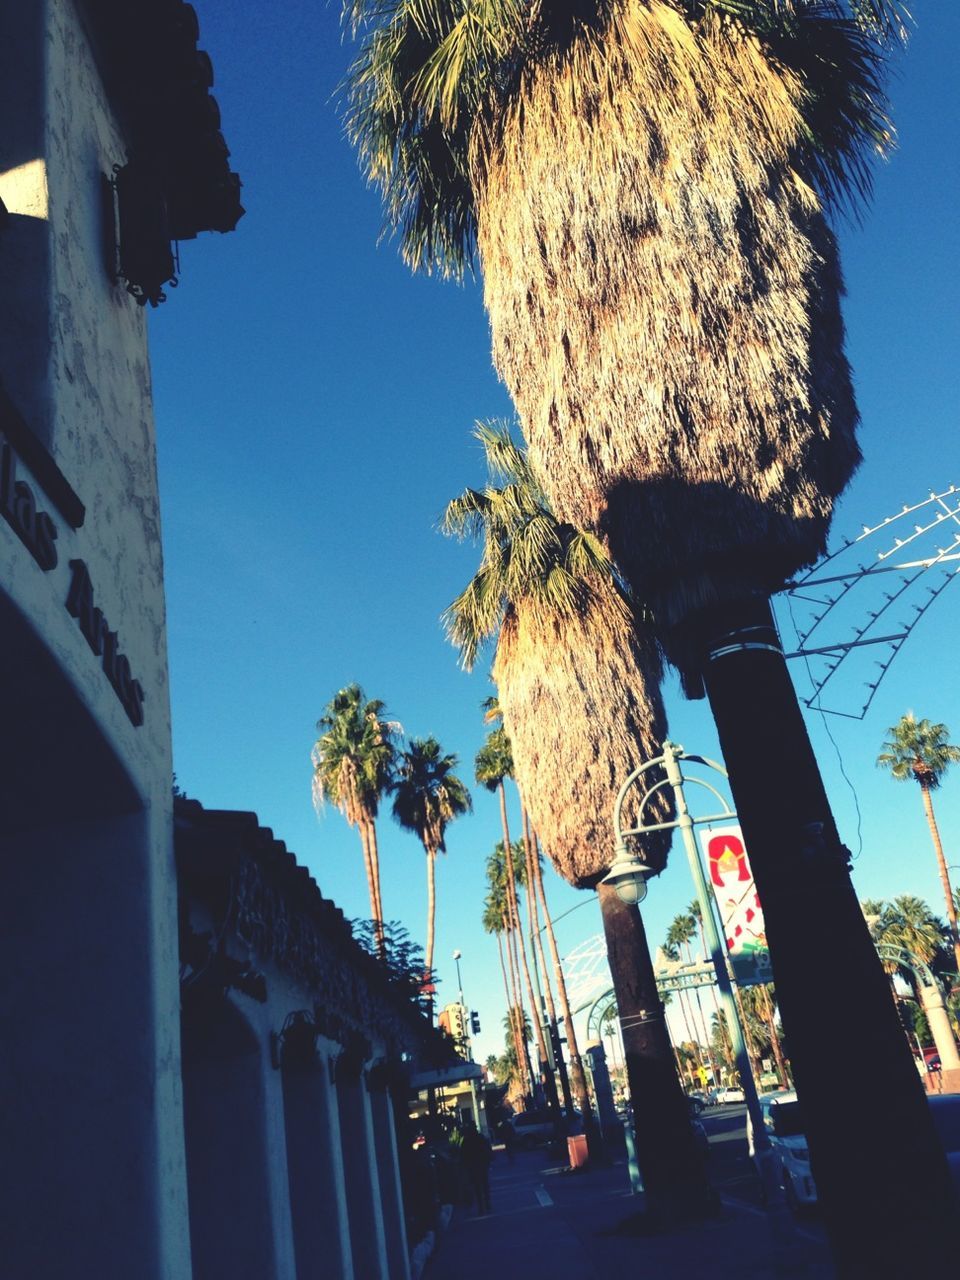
(318, 1203)
(80, 993)
(228, 1164)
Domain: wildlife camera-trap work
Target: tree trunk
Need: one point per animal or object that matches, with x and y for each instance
(533, 882)
(771, 1021)
(748, 1036)
(371, 887)
(518, 996)
(549, 1077)
(511, 1013)
(431, 904)
(521, 947)
(375, 874)
(944, 876)
(513, 1010)
(674, 1174)
(885, 1189)
(578, 1077)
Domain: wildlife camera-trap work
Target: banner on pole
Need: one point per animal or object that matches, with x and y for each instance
(741, 916)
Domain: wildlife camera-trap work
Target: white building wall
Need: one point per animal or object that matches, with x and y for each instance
(74, 360)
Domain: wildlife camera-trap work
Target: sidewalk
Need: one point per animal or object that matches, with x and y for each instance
(548, 1222)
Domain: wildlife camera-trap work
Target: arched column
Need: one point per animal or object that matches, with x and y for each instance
(315, 1168)
(391, 1192)
(362, 1182)
(231, 1156)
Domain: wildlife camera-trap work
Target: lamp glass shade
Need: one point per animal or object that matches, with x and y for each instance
(628, 876)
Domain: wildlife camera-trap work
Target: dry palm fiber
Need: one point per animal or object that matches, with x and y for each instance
(664, 294)
(580, 697)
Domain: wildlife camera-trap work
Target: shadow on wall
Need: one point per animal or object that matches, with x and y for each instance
(227, 1155)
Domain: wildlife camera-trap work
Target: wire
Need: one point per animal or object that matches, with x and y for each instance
(833, 741)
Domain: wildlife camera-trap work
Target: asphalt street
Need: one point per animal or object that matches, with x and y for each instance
(545, 1220)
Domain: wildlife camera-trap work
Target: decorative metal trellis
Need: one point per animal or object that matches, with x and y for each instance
(849, 593)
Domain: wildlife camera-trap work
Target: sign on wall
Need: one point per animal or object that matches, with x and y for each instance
(741, 915)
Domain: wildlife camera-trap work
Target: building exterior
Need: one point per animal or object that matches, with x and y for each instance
(132, 1105)
(298, 1053)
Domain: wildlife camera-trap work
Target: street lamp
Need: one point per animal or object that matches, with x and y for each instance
(628, 876)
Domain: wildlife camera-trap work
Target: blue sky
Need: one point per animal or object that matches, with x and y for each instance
(314, 403)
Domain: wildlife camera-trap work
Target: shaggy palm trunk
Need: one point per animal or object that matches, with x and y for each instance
(942, 864)
(885, 1188)
(578, 1079)
(674, 1174)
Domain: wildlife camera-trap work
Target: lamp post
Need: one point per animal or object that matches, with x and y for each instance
(468, 1051)
(628, 876)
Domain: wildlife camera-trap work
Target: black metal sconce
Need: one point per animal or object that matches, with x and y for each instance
(145, 258)
(296, 1042)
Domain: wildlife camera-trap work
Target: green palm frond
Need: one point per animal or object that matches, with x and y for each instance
(918, 749)
(494, 760)
(354, 755)
(427, 794)
(527, 554)
(427, 72)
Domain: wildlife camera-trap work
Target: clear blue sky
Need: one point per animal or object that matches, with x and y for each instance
(314, 402)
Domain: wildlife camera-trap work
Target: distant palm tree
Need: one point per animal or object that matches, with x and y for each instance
(427, 796)
(352, 767)
(918, 750)
(578, 699)
(494, 763)
(498, 920)
(578, 686)
(908, 924)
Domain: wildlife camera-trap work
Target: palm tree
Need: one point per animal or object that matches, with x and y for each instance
(493, 764)
(352, 767)
(647, 182)
(427, 796)
(498, 906)
(920, 751)
(908, 924)
(582, 709)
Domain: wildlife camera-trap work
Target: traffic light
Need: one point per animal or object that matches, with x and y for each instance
(475, 1024)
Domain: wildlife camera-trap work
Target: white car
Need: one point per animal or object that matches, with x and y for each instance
(732, 1093)
(783, 1122)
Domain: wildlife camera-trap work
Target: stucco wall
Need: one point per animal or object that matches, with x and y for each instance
(73, 357)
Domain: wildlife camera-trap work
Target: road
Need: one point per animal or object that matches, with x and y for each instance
(731, 1169)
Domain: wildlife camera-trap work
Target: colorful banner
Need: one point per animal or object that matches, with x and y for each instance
(741, 916)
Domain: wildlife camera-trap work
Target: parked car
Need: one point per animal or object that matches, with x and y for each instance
(945, 1110)
(783, 1122)
(532, 1127)
(732, 1093)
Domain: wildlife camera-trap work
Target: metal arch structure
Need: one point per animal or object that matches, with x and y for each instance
(898, 955)
(598, 1011)
(586, 972)
(685, 977)
(848, 593)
